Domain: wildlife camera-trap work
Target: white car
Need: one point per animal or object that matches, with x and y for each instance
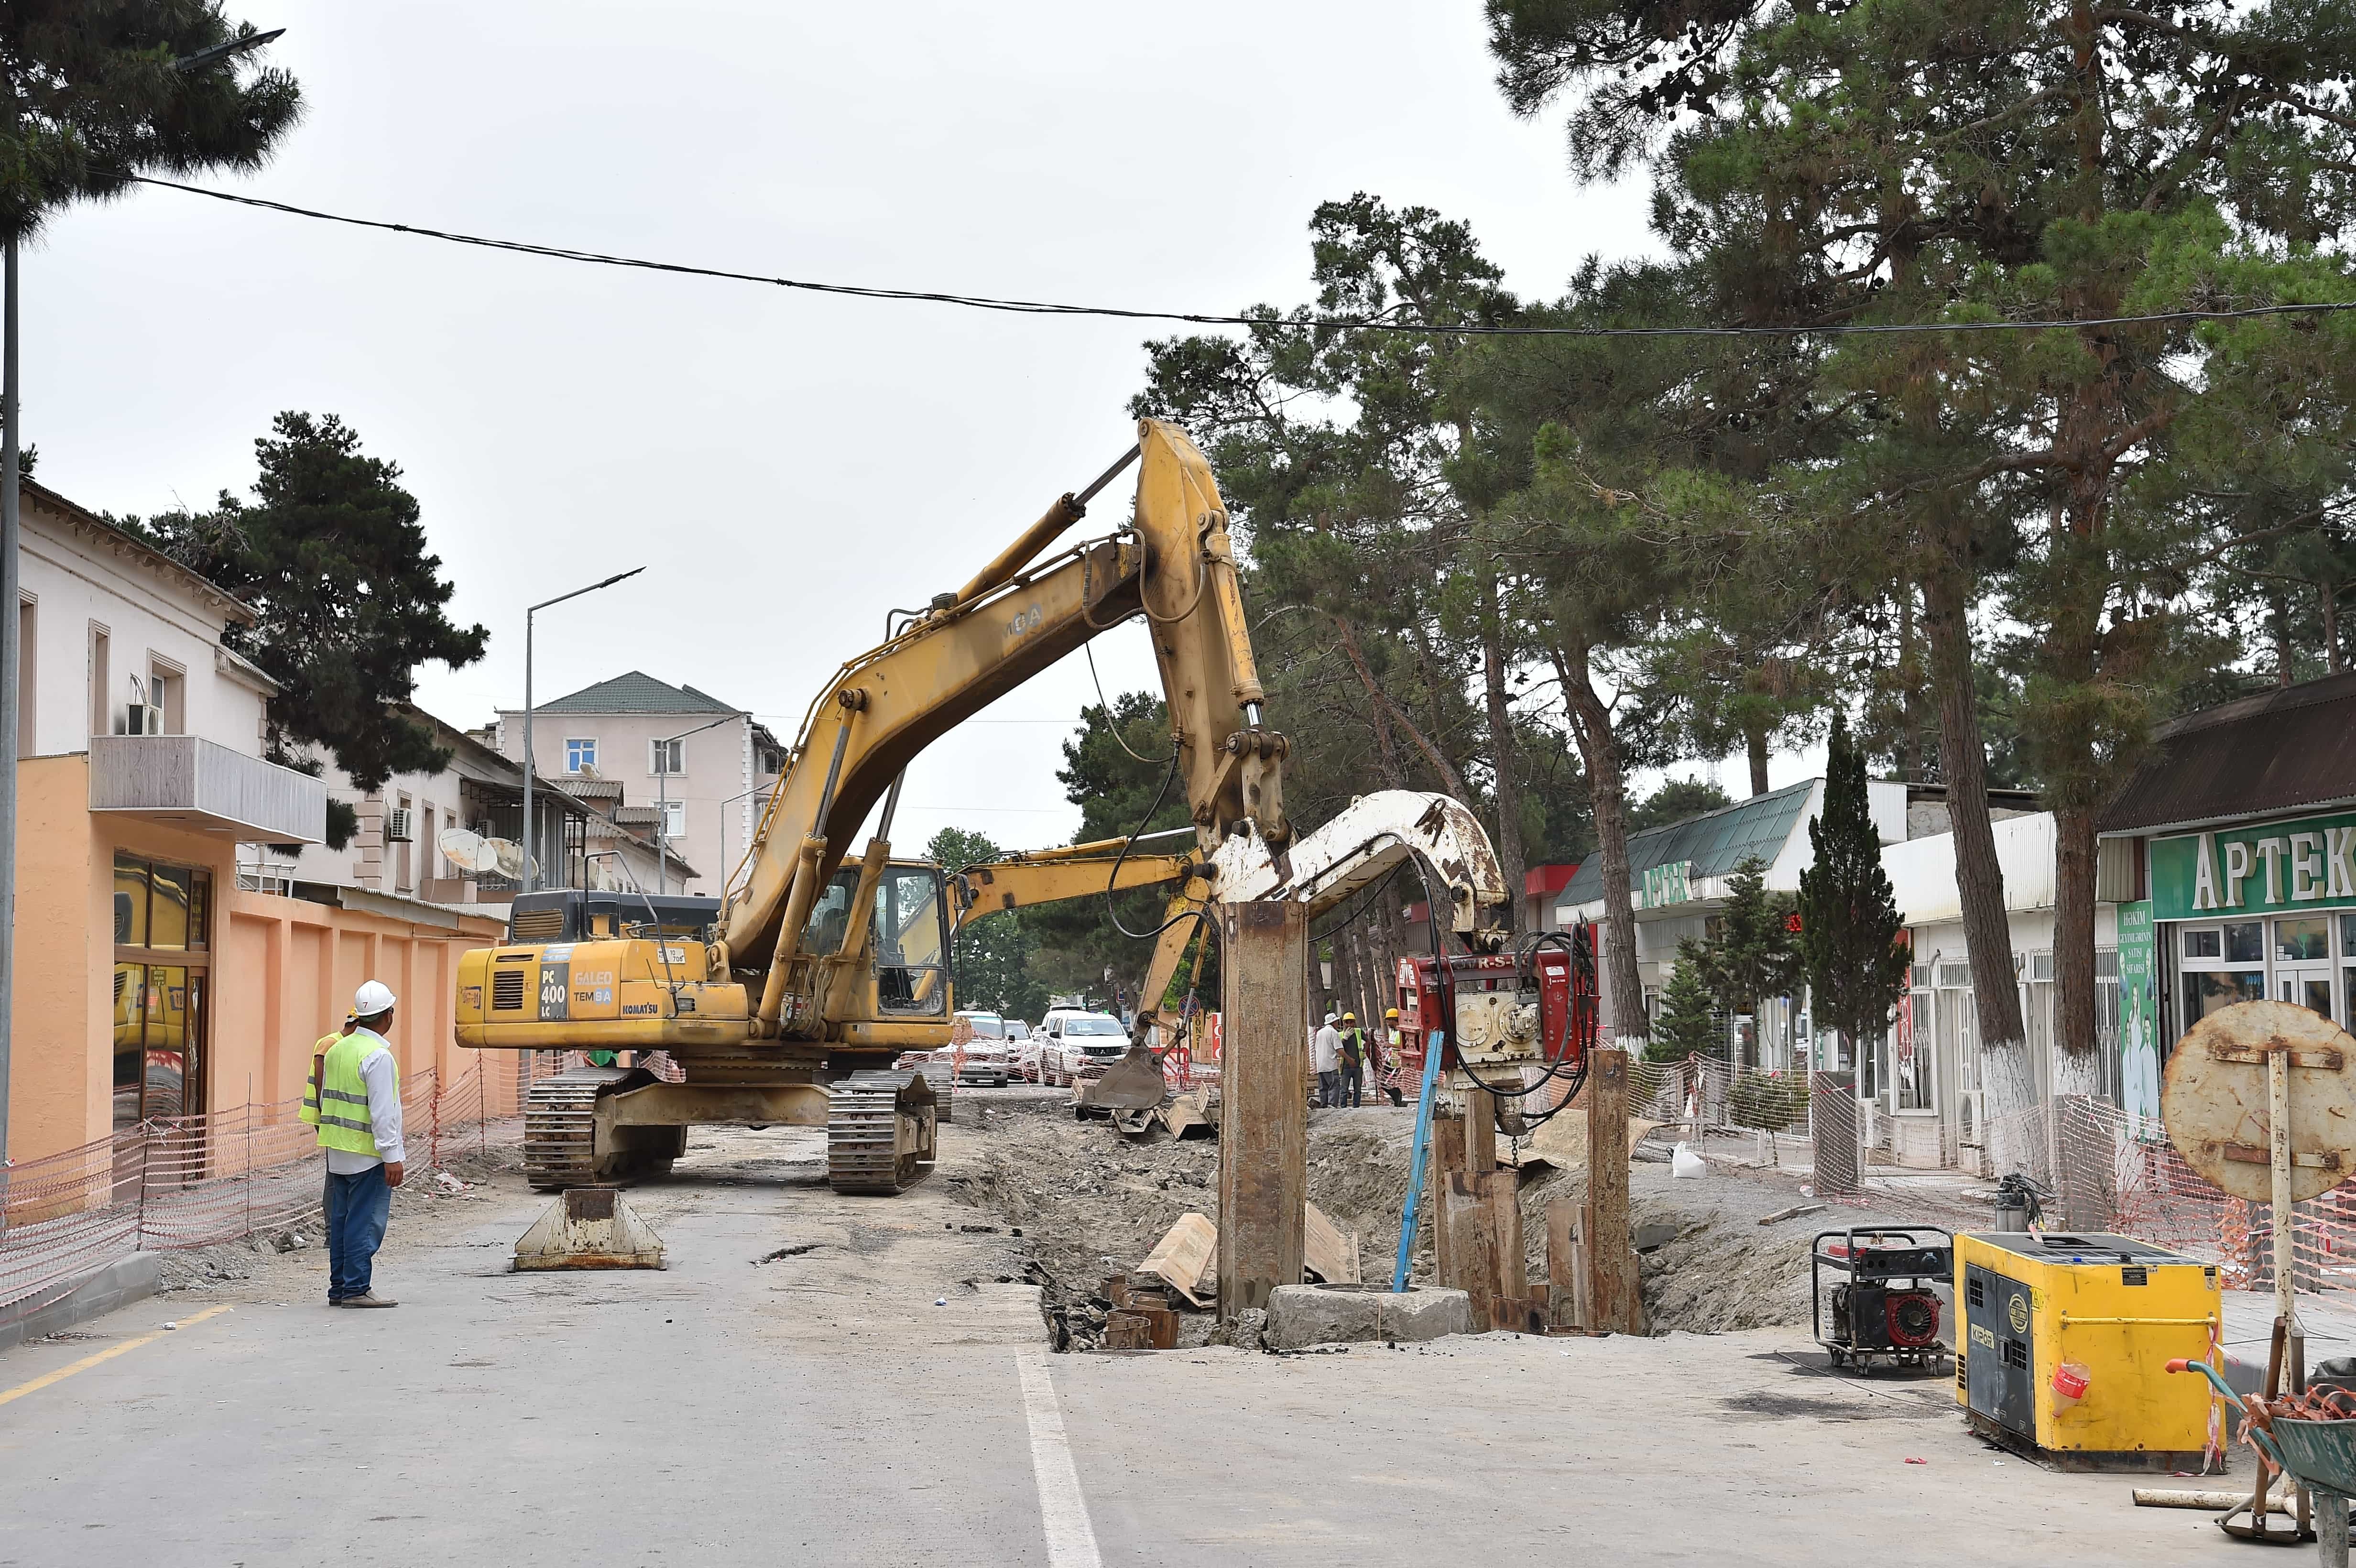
(985, 1057)
(1082, 1044)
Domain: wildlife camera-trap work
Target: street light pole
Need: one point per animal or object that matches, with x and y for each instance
(662, 801)
(531, 876)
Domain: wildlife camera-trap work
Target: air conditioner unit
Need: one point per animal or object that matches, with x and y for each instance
(140, 719)
(398, 829)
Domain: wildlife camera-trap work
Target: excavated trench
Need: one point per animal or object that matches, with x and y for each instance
(1090, 1203)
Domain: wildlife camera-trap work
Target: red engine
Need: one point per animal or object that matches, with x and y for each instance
(1560, 968)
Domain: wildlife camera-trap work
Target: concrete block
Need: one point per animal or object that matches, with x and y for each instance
(1302, 1314)
(78, 1300)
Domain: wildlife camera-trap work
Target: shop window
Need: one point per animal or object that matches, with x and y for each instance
(159, 1006)
(2245, 941)
(2301, 941)
(2207, 990)
(2203, 942)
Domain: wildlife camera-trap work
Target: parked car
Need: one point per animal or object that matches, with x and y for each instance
(985, 1056)
(1082, 1044)
(1017, 1031)
(1033, 1058)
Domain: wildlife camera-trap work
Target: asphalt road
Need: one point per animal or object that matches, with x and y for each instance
(818, 1407)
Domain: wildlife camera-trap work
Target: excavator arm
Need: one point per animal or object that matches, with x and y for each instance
(1012, 620)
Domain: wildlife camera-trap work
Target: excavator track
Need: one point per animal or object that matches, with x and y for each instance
(880, 1133)
(560, 1129)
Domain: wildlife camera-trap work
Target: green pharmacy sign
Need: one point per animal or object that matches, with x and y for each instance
(2265, 867)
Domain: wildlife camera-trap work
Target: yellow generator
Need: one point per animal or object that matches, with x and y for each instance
(2065, 1343)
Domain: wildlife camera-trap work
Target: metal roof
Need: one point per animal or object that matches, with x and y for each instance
(2283, 750)
(1715, 842)
(637, 692)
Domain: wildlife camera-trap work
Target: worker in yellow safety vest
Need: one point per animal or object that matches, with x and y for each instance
(354, 1099)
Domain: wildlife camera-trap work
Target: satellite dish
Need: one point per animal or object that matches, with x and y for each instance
(506, 857)
(463, 849)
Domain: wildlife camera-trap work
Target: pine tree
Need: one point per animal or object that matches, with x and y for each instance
(1688, 1025)
(331, 551)
(1849, 920)
(96, 100)
(1751, 957)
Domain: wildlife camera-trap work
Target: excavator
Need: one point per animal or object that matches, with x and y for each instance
(787, 1002)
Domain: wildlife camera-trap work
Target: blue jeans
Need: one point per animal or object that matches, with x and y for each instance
(357, 1206)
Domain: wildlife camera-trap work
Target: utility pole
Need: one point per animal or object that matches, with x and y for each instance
(530, 865)
(11, 663)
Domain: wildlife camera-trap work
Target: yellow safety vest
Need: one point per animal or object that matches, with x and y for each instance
(343, 1105)
(319, 1047)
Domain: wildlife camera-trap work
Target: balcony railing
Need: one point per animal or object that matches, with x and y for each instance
(198, 784)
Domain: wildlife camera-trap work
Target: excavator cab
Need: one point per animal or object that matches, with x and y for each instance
(907, 935)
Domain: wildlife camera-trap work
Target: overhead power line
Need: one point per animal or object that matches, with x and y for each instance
(1199, 318)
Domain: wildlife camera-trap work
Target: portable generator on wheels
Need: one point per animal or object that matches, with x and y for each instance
(1882, 1301)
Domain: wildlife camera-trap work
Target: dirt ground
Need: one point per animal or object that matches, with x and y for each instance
(1091, 1202)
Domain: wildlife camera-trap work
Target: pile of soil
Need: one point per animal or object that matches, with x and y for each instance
(1091, 1203)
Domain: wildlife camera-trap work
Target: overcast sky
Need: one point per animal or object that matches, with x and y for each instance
(786, 466)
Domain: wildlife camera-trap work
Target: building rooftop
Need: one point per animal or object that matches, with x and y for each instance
(1715, 842)
(637, 692)
(2280, 751)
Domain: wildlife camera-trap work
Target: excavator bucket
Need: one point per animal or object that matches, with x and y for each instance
(1132, 1084)
(589, 1227)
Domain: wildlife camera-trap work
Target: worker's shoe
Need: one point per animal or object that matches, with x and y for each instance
(370, 1299)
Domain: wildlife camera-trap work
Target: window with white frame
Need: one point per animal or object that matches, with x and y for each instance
(580, 755)
(674, 820)
(670, 756)
(2220, 964)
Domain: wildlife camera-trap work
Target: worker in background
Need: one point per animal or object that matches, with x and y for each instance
(1325, 1054)
(1392, 1070)
(355, 1102)
(1354, 1062)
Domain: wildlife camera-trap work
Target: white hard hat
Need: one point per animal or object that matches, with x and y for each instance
(374, 996)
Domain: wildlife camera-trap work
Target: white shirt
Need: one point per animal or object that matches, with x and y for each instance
(1328, 1047)
(384, 1113)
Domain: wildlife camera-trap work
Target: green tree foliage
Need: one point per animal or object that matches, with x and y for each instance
(1750, 956)
(1850, 922)
(331, 553)
(1077, 940)
(96, 97)
(1676, 800)
(1346, 461)
(989, 965)
(1996, 160)
(1688, 1025)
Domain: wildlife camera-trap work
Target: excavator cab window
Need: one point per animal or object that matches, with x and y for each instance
(912, 976)
(830, 916)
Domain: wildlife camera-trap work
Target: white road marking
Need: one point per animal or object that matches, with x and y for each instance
(1071, 1541)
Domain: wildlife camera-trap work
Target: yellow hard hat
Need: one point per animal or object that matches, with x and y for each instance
(1349, 1018)
(1390, 1013)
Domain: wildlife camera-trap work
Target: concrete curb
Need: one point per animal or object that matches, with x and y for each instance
(101, 1291)
(1299, 1316)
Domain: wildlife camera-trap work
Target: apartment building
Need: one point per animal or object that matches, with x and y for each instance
(705, 765)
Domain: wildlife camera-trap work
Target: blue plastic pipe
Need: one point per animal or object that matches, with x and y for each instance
(1433, 1049)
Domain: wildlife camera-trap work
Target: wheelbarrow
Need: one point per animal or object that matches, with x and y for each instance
(2318, 1454)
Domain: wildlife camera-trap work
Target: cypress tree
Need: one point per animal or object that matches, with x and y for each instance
(1686, 1026)
(1849, 920)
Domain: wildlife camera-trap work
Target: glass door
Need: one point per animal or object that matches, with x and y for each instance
(2302, 955)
